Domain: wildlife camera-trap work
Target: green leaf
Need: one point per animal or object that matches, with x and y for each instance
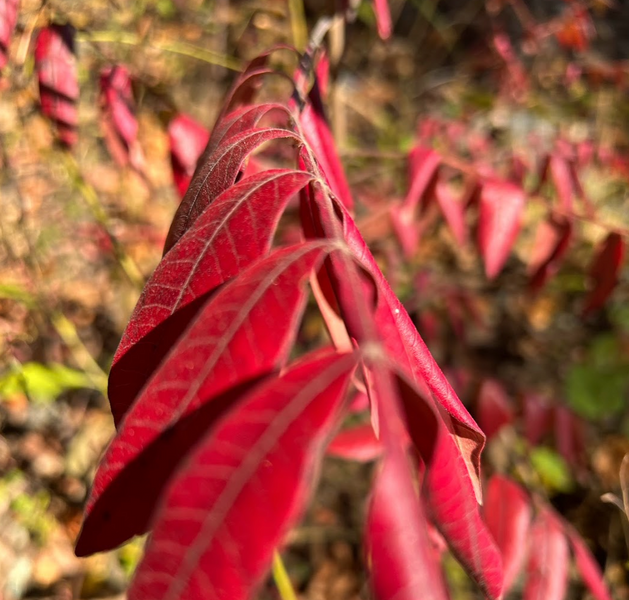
(41, 383)
(552, 469)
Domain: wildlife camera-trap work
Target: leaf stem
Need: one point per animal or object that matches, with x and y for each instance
(182, 48)
(281, 578)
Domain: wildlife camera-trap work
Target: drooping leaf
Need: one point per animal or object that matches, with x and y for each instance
(538, 417)
(586, 564)
(403, 564)
(508, 515)
(8, 20)
(495, 409)
(120, 124)
(569, 436)
(209, 541)
(234, 231)
(500, 215)
(55, 63)
(227, 346)
(217, 173)
(548, 561)
(357, 443)
(604, 272)
(423, 168)
(550, 245)
(453, 211)
(188, 139)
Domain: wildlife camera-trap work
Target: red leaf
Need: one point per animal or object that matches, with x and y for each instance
(452, 209)
(569, 435)
(495, 409)
(538, 417)
(508, 516)
(217, 173)
(356, 443)
(55, 63)
(383, 18)
(228, 345)
(586, 564)
(8, 20)
(551, 243)
(210, 541)
(500, 215)
(423, 168)
(604, 272)
(234, 231)
(549, 559)
(403, 563)
(188, 139)
(120, 125)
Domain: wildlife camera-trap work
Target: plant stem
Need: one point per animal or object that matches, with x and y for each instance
(298, 24)
(281, 578)
(182, 48)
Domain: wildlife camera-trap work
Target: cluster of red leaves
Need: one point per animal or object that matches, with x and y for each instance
(213, 423)
(500, 202)
(542, 543)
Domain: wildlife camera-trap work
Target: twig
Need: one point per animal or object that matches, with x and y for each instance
(281, 578)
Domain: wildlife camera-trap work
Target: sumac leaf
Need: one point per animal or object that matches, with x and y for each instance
(500, 215)
(548, 561)
(8, 20)
(233, 232)
(120, 125)
(357, 443)
(210, 539)
(586, 564)
(550, 245)
(604, 271)
(217, 173)
(495, 409)
(402, 562)
(55, 63)
(508, 515)
(228, 345)
(188, 139)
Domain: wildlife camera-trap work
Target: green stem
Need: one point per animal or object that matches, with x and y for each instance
(281, 578)
(182, 48)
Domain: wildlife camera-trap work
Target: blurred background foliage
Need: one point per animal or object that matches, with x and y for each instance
(79, 234)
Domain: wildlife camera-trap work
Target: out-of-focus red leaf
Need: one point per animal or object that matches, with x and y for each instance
(508, 515)
(383, 18)
(314, 125)
(188, 139)
(423, 168)
(538, 417)
(217, 172)
(551, 243)
(209, 541)
(604, 271)
(452, 209)
(228, 345)
(8, 20)
(586, 564)
(569, 435)
(500, 215)
(516, 82)
(120, 125)
(234, 231)
(577, 28)
(55, 63)
(549, 559)
(495, 408)
(356, 443)
(403, 563)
